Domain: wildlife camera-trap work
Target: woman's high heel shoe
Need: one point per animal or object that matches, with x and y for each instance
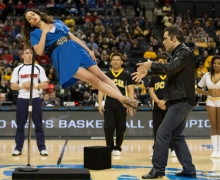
(131, 102)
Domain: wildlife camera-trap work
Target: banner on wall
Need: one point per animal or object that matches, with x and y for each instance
(90, 124)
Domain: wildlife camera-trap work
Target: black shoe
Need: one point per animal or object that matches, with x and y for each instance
(186, 175)
(153, 174)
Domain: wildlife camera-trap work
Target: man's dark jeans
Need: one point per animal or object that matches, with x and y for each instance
(172, 127)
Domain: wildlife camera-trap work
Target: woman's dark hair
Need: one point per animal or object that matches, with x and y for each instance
(175, 31)
(28, 28)
(212, 72)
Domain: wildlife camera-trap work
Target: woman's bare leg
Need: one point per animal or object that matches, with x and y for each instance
(212, 114)
(96, 71)
(218, 120)
(89, 77)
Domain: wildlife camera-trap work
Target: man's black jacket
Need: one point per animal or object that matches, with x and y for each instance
(180, 73)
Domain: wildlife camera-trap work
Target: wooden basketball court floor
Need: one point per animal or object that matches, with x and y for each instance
(134, 161)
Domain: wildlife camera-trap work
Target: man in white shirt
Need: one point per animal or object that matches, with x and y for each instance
(20, 81)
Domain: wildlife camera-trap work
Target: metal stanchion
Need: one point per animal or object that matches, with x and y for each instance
(30, 168)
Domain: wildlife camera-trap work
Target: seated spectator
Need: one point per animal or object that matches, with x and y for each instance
(44, 59)
(212, 43)
(165, 19)
(30, 5)
(127, 63)
(20, 8)
(137, 31)
(82, 8)
(90, 17)
(92, 45)
(8, 74)
(7, 58)
(46, 100)
(158, 14)
(113, 44)
(6, 43)
(70, 22)
(18, 38)
(11, 7)
(110, 34)
(188, 15)
(124, 45)
(4, 87)
(50, 6)
(52, 75)
(200, 71)
(13, 49)
(88, 26)
(209, 49)
(54, 99)
(207, 63)
(99, 28)
(189, 40)
(105, 61)
(154, 44)
(150, 54)
(137, 8)
(117, 8)
(3, 99)
(87, 101)
(2, 7)
(73, 9)
(109, 8)
(196, 51)
(60, 7)
(166, 9)
(135, 45)
(78, 89)
(201, 43)
(10, 35)
(91, 4)
(104, 45)
(50, 88)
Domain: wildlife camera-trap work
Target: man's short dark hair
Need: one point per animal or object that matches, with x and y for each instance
(175, 31)
(116, 54)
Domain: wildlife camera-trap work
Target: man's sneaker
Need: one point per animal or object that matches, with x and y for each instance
(44, 153)
(116, 152)
(16, 153)
(173, 154)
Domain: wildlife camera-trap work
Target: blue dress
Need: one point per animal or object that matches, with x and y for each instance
(66, 58)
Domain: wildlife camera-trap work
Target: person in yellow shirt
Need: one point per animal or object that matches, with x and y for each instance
(200, 71)
(207, 63)
(70, 22)
(196, 51)
(150, 54)
(8, 74)
(201, 43)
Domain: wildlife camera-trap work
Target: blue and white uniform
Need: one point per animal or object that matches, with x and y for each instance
(66, 58)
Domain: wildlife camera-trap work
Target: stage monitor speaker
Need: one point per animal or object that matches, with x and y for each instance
(53, 173)
(97, 157)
